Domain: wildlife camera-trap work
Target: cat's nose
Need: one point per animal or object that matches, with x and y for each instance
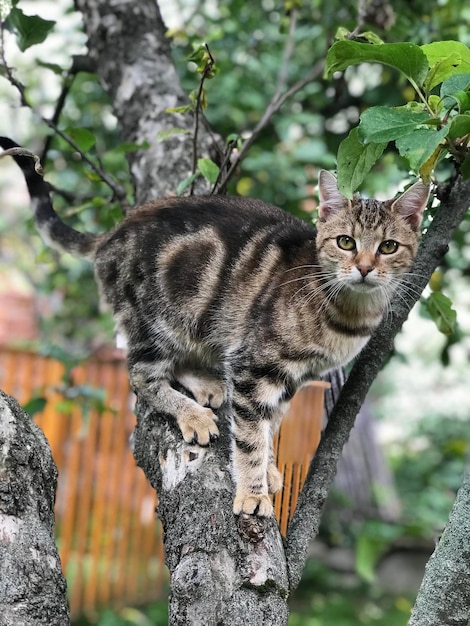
(364, 269)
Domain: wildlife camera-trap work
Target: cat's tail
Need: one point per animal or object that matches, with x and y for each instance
(54, 232)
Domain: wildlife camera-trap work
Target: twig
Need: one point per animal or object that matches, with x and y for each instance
(67, 84)
(198, 109)
(118, 191)
(278, 99)
(272, 108)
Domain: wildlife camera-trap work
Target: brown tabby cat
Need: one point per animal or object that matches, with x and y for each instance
(237, 300)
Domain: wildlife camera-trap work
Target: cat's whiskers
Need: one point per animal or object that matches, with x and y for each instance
(403, 286)
(330, 294)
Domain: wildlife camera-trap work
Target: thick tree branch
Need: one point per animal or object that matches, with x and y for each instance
(434, 244)
(32, 586)
(444, 596)
(216, 577)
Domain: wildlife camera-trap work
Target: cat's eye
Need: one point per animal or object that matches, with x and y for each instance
(346, 243)
(388, 247)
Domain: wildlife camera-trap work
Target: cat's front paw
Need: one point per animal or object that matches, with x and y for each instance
(206, 390)
(253, 504)
(274, 477)
(199, 426)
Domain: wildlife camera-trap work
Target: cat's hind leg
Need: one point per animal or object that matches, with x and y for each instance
(206, 389)
(150, 380)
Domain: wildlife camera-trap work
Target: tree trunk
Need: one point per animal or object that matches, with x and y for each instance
(217, 575)
(444, 596)
(32, 586)
(132, 55)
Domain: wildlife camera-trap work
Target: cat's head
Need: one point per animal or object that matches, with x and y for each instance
(366, 244)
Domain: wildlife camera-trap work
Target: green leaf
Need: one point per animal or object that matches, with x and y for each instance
(164, 135)
(35, 405)
(440, 308)
(438, 51)
(31, 29)
(418, 146)
(368, 552)
(383, 124)
(181, 109)
(371, 37)
(184, 184)
(130, 146)
(460, 126)
(406, 57)
(84, 138)
(459, 82)
(342, 34)
(354, 162)
(436, 105)
(57, 69)
(208, 169)
(460, 98)
(441, 70)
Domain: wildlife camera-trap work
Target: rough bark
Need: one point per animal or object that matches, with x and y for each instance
(127, 42)
(217, 576)
(32, 586)
(444, 596)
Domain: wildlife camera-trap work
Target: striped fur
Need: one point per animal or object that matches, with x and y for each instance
(237, 300)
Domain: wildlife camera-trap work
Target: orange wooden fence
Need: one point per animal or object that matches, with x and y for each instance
(108, 537)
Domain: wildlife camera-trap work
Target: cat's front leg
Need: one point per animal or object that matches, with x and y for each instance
(254, 420)
(250, 464)
(275, 480)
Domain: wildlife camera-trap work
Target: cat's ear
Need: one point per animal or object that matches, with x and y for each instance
(412, 203)
(331, 200)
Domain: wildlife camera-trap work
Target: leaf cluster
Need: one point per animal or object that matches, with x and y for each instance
(431, 126)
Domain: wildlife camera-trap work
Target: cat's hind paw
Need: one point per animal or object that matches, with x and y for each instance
(199, 426)
(274, 477)
(253, 504)
(207, 390)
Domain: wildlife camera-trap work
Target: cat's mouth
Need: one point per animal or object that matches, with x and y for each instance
(363, 284)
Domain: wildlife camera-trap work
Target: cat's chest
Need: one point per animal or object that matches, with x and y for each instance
(339, 351)
(343, 349)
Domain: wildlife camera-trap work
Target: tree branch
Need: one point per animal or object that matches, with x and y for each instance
(32, 586)
(278, 99)
(118, 191)
(305, 523)
(444, 595)
(80, 63)
(216, 578)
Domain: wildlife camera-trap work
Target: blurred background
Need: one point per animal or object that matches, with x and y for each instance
(403, 465)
